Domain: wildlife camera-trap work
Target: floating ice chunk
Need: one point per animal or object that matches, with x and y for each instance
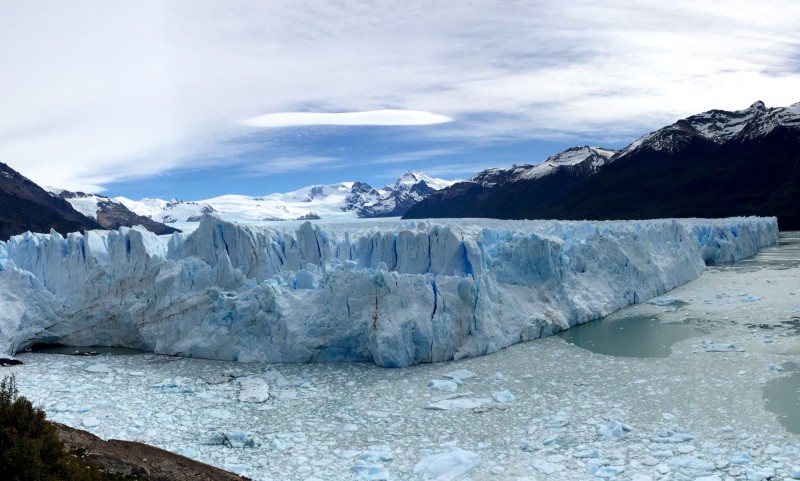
(253, 389)
(498, 376)
(189, 453)
(663, 301)
(613, 429)
(503, 396)
(668, 416)
(459, 403)
(712, 477)
(61, 408)
(442, 385)
(447, 466)
(606, 471)
(217, 413)
(665, 435)
(759, 474)
(772, 449)
(371, 472)
(84, 409)
(547, 468)
(378, 453)
(587, 453)
(692, 462)
(90, 422)
(709, 346)
(461, 374)
(748, 298)
(794, 473)
(279, 444)
(99, 368)
(230, 439)
(727, 429)
(775, 367)
(741, 458)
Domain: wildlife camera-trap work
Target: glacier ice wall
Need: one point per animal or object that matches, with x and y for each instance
(395, 293)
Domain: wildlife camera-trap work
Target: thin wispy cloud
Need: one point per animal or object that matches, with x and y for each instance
(138, 89)
(372, 117)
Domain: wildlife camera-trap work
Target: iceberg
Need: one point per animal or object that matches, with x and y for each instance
(394, 293)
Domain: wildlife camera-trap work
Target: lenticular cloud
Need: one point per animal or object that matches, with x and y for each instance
(371, 117)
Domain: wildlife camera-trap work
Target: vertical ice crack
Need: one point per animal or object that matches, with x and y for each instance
(435, 297)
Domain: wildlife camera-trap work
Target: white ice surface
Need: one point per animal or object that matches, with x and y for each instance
(395, 292)
(695, 415)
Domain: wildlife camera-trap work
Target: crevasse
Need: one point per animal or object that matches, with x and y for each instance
(393, 292)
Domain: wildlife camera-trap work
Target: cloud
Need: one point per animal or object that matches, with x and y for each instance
(282, 165)
(372, 117)
(98, 91)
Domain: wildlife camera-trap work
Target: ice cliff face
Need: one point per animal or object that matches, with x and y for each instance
(395, 293)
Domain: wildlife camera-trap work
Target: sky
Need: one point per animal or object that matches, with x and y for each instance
(193, 99)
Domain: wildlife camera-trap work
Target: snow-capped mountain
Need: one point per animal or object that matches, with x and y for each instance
(109, 213)
(718, 126)
(590, 158)
(332, 201)
(714, 164)
(25, 206)
(396, 199)
(474, 197)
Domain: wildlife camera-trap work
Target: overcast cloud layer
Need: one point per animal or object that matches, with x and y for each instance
(98, 92)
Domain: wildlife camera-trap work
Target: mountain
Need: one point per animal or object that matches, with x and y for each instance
(109, 213)
(396, 199)
(24, 206)
(333, 201)
(509, 193)
(714, 164)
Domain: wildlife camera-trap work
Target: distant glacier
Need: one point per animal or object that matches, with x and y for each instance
(394, 293)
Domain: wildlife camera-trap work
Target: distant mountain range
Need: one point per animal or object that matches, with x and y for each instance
(109, 213)
(333, 201)
(715, 164)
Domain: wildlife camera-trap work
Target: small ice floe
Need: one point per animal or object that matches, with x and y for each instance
(447, 466)
(794, 473)
(668, 416)
(667, 436)
(189, 453)
(217, 413)
(99, 368)
(498, 376)
(743, 297)
(693, 463)
(443, 385)
(741, 458)
(759, 474)
(546, 467)
(279, 444)
(664, 301)
(503, 397)
(712, 477)
(371, 472)
(230, 439)
(709, 346)
(775, 367)
(458, 404)
(377, 454)
(253, 389)
(613, 429)
(605, 471)
(61, 408)
(90, 422)
(461, 374)
(174, 386)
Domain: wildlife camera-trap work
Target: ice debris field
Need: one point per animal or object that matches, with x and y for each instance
(395, 293)
(541, 410)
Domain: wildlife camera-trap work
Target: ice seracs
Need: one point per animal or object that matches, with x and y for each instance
(394, 293)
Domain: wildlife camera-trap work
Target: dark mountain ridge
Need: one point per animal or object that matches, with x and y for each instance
(715, 164)
(24, 206)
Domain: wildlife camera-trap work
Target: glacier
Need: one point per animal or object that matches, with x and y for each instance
(394, 292)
